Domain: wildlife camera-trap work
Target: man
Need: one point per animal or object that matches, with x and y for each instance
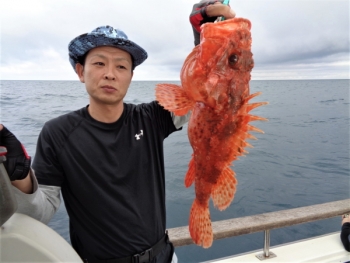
(208, 11)
(345, 231)
(106, 159)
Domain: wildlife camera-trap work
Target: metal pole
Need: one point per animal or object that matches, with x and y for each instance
(266, 252)
(267, 244)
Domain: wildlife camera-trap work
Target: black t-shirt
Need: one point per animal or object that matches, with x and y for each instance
(111, 177)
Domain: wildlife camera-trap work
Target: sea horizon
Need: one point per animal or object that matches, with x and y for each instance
(168, 80)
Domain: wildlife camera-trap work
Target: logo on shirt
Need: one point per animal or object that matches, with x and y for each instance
(137, 136)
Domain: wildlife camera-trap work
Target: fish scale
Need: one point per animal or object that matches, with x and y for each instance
(215, 88)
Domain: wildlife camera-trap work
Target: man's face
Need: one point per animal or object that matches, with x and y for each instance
(107, 74)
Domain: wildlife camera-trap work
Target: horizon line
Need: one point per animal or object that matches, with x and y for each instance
(169, 79)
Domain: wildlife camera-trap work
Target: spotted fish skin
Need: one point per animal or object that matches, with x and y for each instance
(215, 87)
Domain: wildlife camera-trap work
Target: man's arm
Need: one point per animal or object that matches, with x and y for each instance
(25, 185)
(179, 121)
(218, 9)
(206, 12)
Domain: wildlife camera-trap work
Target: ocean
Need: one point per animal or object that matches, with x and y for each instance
(302, 158)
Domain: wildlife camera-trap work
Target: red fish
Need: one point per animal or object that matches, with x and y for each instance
(215, 87)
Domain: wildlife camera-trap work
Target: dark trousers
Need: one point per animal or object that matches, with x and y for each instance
(163, 256)
(166, 255)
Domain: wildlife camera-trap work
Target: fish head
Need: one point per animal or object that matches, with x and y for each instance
(218, 69)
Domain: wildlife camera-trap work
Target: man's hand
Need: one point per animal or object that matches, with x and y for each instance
(208, 11)
(17, 162)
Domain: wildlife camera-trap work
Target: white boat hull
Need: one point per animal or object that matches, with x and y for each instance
(326, 248)
(24, 239)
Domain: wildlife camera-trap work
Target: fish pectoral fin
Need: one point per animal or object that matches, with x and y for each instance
(174, 98)
(200, 224)
(224, 190)
(190, 175)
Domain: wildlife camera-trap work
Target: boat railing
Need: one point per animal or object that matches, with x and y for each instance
(180, 236)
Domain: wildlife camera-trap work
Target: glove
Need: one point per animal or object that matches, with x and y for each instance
(17, 162)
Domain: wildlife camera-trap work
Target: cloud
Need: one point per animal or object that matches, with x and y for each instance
(288, 35)
(293, 31)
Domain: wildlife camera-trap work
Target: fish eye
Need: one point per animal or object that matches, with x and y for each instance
(233, 59)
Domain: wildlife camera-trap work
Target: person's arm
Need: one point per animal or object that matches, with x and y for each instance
(179, 121)
(345, 232)
(37, 202)
(206, 12)
(17, 162)
(41, 204)
(25, 185)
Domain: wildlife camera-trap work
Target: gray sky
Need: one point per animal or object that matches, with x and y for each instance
(299, 39)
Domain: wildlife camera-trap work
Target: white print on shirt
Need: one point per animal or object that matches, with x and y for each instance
(137, 136)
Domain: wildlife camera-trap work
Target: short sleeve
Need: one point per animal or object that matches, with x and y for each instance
(46, 165)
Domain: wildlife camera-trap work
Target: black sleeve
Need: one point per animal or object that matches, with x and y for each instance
(46, 166)
(162, 117)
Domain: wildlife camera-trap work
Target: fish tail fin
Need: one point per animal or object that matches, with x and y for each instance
(174, 98)
(190, 175)
(224, 189)
(200, 224)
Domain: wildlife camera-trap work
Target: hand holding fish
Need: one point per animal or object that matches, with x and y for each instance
(219, 9)
(215, 86)
(208, 11)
